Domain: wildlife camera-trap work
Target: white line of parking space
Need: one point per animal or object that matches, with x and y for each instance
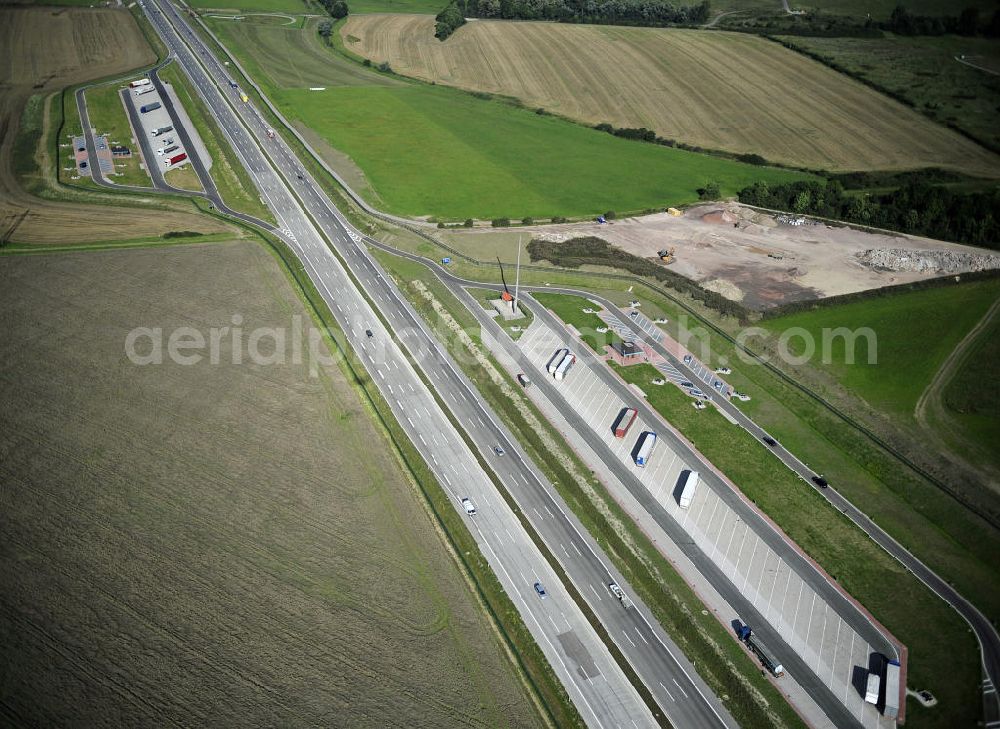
(809, 625)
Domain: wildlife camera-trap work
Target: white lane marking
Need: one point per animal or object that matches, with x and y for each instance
(592, 587)
(680, 688)
(667, 692)
(641, 636)
(629, 639)
(573, 544)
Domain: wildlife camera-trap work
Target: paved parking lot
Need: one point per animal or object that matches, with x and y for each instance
(755, 559)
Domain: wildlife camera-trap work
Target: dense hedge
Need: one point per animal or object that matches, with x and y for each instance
(598, 252)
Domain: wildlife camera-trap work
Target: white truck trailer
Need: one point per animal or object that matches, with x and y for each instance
(646, 442)
(688, 489)
(568, 361)
(557, 358)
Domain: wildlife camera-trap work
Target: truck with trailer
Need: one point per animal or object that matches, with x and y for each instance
(624, 422)
(646, 442)
(177, 158)
(168, 150)
(762, 653)
(150, 107)
(568, 361)
(556, 359)
(140, 82)
(144, 90)
(688, 489)
(891, 681)
(161, 130)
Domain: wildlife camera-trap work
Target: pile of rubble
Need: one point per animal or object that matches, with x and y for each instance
(901, 259)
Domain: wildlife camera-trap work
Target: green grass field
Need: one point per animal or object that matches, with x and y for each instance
(433, 151)
(107, 115)
(570, 310)
(925, 71)
(258, 6)
(915, 332)
(439, 152)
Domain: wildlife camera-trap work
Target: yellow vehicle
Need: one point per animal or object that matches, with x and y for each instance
(244, 98)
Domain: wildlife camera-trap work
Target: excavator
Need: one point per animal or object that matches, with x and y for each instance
(667, 256)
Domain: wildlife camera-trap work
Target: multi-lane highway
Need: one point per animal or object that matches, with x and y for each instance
(457, 434)
(306, 217)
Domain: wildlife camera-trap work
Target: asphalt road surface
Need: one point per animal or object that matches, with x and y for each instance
(422, 400)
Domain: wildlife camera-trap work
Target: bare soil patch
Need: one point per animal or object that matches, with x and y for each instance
(212, 544)
(748, 256)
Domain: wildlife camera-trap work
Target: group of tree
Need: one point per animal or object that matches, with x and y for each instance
(968, 22)
(448, 21)
(604, 12)
(337, 8)
(916, 207)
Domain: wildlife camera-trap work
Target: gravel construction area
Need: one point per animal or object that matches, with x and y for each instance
(749, 256)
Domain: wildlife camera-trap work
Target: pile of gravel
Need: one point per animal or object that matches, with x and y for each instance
(901, 259)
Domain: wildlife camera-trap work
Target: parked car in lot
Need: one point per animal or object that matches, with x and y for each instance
(540, 590)
(369, 333)
(687, 359)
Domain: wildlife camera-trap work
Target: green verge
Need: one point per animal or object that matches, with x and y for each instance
(231, 178)
(727, 669)
(107, 115)
(570, 310)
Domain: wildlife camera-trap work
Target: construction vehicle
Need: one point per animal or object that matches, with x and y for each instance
(667, 255)
(759, 650)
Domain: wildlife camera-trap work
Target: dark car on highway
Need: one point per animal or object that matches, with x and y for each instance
(820, 481)
(540, 590)
(770, 441)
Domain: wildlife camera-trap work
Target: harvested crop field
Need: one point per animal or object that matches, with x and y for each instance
(730, 91)
(212, 544)
(42, 50)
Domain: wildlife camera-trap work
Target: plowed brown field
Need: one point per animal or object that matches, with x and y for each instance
(727, 91)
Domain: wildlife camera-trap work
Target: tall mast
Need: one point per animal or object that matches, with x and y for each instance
(517, 276)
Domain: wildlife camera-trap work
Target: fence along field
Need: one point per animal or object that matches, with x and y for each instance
(213, 544)
(730, 91)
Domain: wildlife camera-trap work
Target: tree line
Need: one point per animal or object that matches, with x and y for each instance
(917, 207)
(602, 12)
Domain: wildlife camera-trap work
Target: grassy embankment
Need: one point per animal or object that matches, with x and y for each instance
(720, 660)
(928, 73)
(888, 590)
(570, 310)
(428, 150)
